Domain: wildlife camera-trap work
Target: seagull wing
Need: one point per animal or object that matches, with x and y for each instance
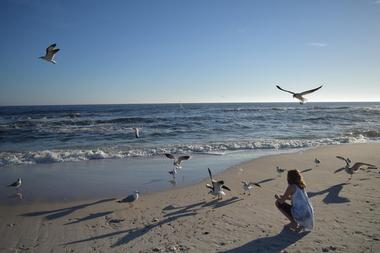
(170, 156)
(49, 48)
(52, 53)
(225, 187)
(342, 158)
(310, 91)
(209, 172)
(357, 165)
(209, 186)
(182, 158)
(285, 90)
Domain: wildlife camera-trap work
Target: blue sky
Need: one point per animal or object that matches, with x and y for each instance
(188, 51)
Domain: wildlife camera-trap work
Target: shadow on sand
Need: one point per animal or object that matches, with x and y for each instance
(58, 213)
(90, 217)
(272, 244)
(266, 180)
(305, 170)
(174, 213)
(333, 194)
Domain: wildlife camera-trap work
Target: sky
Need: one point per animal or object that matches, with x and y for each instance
(116, 52)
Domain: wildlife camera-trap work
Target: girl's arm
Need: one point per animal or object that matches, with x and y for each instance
(287, 194)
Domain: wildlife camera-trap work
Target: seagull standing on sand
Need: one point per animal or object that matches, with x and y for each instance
(177, 161)
(352, 170)
(317, 162)
(280, 170)
(247, 186)
(136, 130)
(50, 53)
(130, 198)
(300, 95)
(217, 187)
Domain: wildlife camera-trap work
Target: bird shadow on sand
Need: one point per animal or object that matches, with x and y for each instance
(58, 213)
(183, 209)
(153, 181)
(332, 196)
(266, 180)
(306, 170)
(216, 203)
(134, 233)
(90, 217)
(271, 244)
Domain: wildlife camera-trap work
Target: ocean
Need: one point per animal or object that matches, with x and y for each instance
(71, 133)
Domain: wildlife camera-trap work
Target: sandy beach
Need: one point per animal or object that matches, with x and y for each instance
(188, 219)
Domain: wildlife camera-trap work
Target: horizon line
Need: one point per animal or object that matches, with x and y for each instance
(164, 103)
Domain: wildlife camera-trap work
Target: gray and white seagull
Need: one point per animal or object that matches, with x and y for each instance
(177, 161)
(300, 95)
(216, 187)
(136, 130)
(50, 53)
(248, 186)
(130, 198)
(352, 169)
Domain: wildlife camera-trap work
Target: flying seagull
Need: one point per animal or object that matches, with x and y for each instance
(317, 162)
(16, 184)
(216, 187)
(300, 95)
(136, 130)
(177, 161)
(247, 186)
(130, 198)
(50, 53)
(354, 168)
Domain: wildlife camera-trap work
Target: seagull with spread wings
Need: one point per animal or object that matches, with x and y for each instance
(300, 96)
(50, 53)
(216, 187)
(352, 169)
(177, 161)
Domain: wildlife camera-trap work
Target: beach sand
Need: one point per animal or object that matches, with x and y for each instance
(347, 214)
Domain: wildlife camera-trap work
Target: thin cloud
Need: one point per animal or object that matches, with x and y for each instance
(318, 44)
(377, 2)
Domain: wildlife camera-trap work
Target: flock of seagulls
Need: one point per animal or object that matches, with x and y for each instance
(216, 187)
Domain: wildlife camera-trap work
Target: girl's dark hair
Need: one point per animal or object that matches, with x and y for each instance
(295, 177)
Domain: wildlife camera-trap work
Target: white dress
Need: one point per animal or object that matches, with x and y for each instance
(302, 210)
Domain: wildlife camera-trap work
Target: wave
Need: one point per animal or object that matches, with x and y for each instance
(219, 148)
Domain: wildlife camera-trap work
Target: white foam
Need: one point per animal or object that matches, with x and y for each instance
(217, 148)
